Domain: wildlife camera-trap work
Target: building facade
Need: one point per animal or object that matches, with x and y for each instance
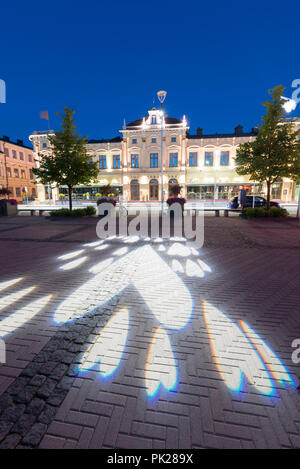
(204, 165)
(16, 163)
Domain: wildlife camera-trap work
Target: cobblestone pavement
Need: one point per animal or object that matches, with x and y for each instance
(132, 343)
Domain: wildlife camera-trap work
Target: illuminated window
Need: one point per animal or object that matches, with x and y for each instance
(224, 160)
(153, 160)
(116, 161)
(193, 159)
(209, 158)
(173, 160)
(23, 175)
(134, 161)
(102, 161)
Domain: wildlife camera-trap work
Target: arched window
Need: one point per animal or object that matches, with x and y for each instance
(153, 189)
(172, 182)
(135, 189)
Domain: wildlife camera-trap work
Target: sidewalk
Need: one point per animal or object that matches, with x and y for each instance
(130, 343)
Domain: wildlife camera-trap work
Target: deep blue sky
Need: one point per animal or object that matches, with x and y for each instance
(107, 59)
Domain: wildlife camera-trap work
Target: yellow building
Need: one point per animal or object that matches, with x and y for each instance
(204, 165)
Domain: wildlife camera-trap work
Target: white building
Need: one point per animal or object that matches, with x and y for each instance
(204, 165)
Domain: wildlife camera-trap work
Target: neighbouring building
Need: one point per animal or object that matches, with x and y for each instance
(16, 163)
(204, 165)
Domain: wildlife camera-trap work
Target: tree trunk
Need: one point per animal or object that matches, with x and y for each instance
(268, 193)
(70, 197)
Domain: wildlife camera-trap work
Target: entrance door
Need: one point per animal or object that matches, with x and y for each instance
(153, 189)
(135, 190)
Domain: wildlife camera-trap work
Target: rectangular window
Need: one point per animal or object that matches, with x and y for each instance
(14, 154)
(153, 120)
(102, 161)
(134, 161)
(209, 158)
(31, 174)
(173, 139)
(6, 151)
(153, 160)
(224, 161)
(153, 140)
(8, 172)
(16, 172)
(30, 158)
(21, 155)
(134, 140)
(18, 192)
(193, 159)
(23, 173)
(116, 161)
(173, 160)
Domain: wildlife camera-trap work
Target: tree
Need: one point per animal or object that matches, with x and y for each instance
(275, 151)
(68, 162)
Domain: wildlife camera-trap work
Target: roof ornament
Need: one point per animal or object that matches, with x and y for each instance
(124, 124)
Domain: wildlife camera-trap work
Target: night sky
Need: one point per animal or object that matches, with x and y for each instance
(106, 60)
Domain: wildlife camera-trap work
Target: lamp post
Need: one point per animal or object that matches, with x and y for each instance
(161, 96)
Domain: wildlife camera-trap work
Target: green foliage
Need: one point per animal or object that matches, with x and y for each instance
(258, 212)
(78, 212)
(68, 163)
(275, 151)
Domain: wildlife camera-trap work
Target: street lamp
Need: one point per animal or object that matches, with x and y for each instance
(162, 96)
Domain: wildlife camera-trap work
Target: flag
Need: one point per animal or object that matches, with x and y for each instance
(44, 115)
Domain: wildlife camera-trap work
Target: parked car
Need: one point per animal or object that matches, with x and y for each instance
(258, 202)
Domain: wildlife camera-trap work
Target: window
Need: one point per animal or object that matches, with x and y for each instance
(45, 145)
(173, 139)
(16, 172)
(23, 173)
(18, 192)
(21, 155)
(153, 121)
(173, 160)
(6, 151)
(14, 154)
(116, 161)
(134, 161)
(31, 174)
(153, 160)
(224, 161)
(134, 140)
(102, 161)
(30, 158)
(209, 158)
(193, 159)
(90, 159)
(8, 172)
(153, 140)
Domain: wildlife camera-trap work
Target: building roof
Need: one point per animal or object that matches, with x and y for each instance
(168, 121)
(18, 143)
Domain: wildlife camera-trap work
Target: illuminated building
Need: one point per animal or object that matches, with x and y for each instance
(204, 165)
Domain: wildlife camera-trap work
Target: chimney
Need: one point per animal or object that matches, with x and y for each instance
(5, 138)
(19, 141)
(238, 131)
(199, 131)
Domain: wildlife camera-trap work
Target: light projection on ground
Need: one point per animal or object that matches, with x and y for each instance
(240, 354)
(107, 348)
(158, 274)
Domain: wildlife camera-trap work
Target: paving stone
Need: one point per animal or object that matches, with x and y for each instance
(36, 406)
(35, 434)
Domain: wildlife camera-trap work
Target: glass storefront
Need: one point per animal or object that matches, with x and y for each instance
(223, 192)
(89, 193)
